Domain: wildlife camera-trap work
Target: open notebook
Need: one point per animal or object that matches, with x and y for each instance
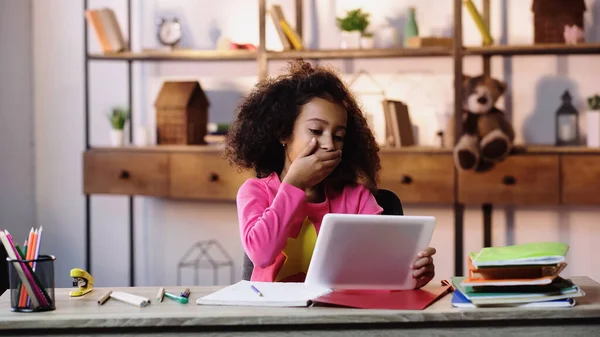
(274, 294)
(283, 294)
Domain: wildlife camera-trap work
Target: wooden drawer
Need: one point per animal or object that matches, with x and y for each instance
(580, 179)
(418, 178)
(519, 180)
(204, 176)
(125, 172)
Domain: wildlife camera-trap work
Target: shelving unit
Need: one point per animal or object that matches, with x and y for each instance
(420, 175)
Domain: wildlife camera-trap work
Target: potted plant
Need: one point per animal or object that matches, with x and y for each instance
(118, 118)
(366, 40)
(353, 27)
(593, 121)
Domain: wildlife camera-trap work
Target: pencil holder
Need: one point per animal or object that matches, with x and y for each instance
(31, 284)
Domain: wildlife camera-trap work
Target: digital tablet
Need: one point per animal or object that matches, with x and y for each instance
(368, 252)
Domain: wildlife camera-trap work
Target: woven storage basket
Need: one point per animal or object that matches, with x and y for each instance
(551, 16)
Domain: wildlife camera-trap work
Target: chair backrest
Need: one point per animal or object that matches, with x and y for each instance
(248, 267)
(387, 199)
(4, 281)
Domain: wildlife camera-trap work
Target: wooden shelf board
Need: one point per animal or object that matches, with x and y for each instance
(519, 149)
(548, 149)
(243, 55)
(162, 148)
(535, 49)
(220, 147)
(359, 53)
(178, 55)
(416, 149)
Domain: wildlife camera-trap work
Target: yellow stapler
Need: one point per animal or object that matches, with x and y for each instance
(83, 280)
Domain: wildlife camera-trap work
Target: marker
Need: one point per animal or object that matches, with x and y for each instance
(161, 294)
(182, 300)
(256, 290)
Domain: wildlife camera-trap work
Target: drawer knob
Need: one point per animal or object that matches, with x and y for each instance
(406, 180)
(214, 177)
(509, 180)
(124, 174)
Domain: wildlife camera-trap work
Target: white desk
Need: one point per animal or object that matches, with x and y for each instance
(83, 316)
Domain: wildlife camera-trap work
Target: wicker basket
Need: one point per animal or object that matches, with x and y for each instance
(551, 16)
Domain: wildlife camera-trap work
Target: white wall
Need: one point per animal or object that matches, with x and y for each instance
(58, 103)
(17, 199)
(166, 229)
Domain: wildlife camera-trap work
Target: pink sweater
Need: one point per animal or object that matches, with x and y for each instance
(278, 227)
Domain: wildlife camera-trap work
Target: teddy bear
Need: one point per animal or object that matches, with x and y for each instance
(487, 136)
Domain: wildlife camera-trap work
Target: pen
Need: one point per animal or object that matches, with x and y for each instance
(256, 290)
(182, 300)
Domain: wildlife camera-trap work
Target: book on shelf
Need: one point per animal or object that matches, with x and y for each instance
(525, 275)
(398, 126)
(474, 13)
(289, 37)
(276, 19)
(105, 25)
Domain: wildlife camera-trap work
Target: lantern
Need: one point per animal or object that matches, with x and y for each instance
(567, 123)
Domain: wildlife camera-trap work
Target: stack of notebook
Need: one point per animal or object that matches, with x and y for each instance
(525, 275)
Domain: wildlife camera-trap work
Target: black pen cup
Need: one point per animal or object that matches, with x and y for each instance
(31, 284)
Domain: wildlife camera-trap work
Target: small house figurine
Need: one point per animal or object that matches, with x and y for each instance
(551, 17)
(181, 113)
(567, 123)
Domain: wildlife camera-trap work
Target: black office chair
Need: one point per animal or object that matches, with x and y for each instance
(387, 199)
(4, 281)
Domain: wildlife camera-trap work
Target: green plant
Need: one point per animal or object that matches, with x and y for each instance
(355, 20)
(594, 102)
(118, 118)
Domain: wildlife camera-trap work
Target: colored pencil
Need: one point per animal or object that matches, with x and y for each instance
(36, 253)
(31, 257)
(37, 246)
(23, 294)
(23, 256)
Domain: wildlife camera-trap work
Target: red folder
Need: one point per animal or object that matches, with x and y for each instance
(394, 300)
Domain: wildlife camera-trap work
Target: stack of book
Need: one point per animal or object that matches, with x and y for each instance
(525, 275)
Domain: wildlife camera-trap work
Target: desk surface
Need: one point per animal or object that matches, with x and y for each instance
(86, 313)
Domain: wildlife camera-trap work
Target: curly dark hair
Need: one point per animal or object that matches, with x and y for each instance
(268, 113)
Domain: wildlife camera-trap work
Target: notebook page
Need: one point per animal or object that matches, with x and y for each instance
(279, 294)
